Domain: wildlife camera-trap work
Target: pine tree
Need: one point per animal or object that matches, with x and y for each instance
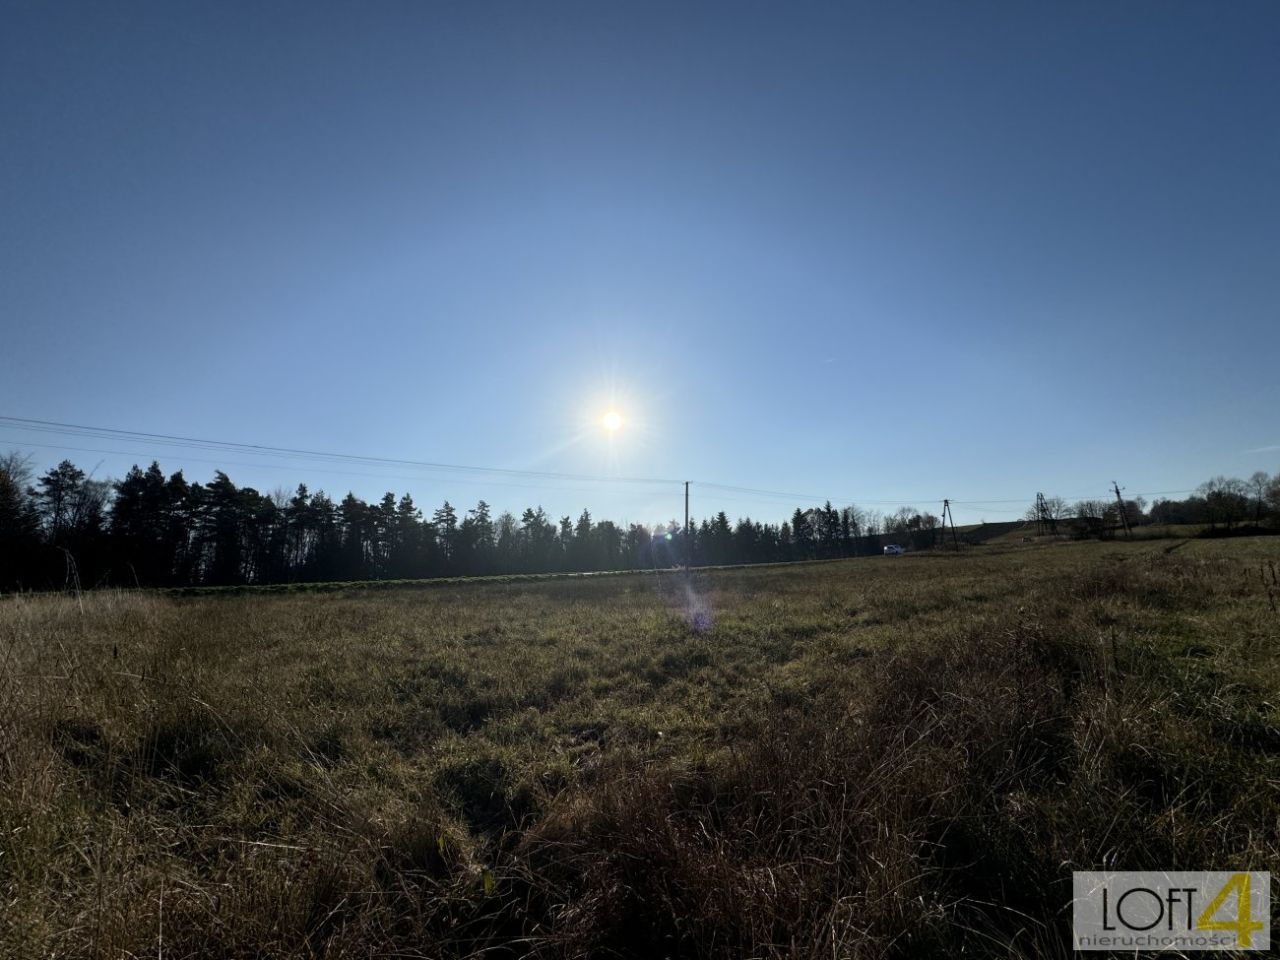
(444, 523)
(19, 523)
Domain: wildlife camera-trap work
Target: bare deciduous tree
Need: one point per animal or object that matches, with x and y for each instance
(1258, 488)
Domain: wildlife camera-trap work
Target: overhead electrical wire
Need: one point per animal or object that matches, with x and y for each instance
(486, 482)
(170, 440)
(546, 478)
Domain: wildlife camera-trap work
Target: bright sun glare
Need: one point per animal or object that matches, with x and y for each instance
(611, 421)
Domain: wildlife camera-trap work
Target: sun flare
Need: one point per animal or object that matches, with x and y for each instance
(611, 421)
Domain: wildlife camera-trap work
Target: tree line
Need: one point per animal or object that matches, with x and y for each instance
(1221, 504)
(66, 528)
(152, 529)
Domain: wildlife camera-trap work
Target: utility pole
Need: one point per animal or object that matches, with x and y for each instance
(688, 541)
(947, 515)
(1045, 521)
(1124, 514)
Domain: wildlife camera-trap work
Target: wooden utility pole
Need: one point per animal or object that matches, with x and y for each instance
(1045, 521)
(1124, 514)
(688, 540)
(947, 515)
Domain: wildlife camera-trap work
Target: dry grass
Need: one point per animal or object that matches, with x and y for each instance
(876, 758)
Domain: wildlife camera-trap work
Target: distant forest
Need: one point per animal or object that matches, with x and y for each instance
(65, 528)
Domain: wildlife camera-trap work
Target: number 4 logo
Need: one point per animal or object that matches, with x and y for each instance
(1244, 925)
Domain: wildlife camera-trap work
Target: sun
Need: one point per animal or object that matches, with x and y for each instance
(611, 421)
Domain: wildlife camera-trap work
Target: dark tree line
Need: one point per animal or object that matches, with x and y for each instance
(1222, 504)
(1225, 503)
(149, 529)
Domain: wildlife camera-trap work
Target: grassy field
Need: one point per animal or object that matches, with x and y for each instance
(883, 757)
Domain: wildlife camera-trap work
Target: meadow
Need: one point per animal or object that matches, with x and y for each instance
(880, 757)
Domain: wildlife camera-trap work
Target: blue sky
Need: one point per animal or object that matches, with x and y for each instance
(888, 252)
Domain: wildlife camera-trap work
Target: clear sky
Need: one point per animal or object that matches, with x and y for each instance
(881, 252)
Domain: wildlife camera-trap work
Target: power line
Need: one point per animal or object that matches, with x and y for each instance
(110, 433)
(323, 470)
(255, 449)
(316, 456)
(794, 496)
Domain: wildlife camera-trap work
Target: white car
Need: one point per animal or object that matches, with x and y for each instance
(893, 550)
